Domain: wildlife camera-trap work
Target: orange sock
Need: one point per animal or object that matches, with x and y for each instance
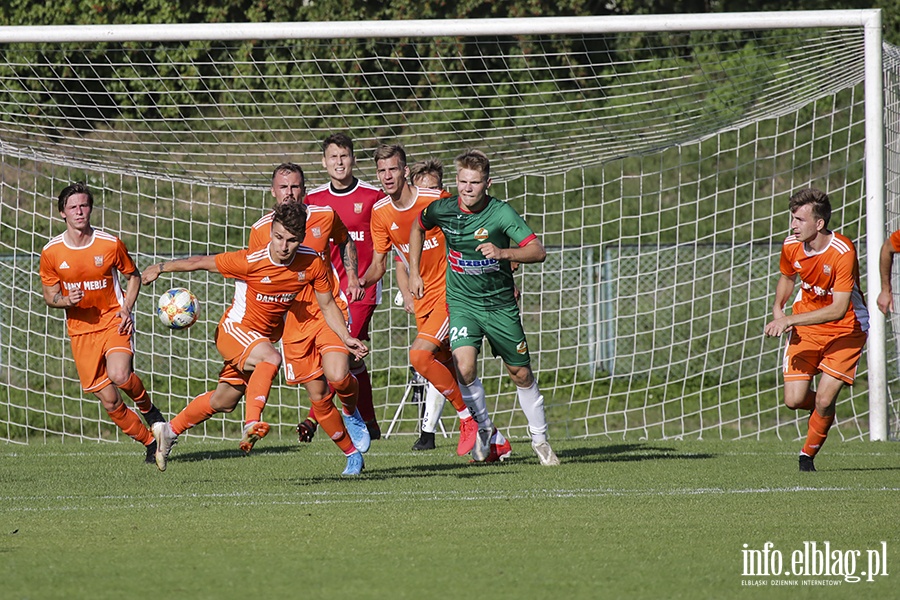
(258, 390)
(134, 387)
(197, 411)
(425, 363)
(331, 422)
(818, 431)
(130, 423)
(347, 390)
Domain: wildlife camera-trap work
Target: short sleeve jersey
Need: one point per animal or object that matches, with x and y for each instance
(834, 269)
(895, 240)
(322, 225)
(354, 207)
(390, 229)
(94, 269)
(264, 290)
(473, 281)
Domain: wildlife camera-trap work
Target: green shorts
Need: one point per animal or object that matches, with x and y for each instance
(502, 327)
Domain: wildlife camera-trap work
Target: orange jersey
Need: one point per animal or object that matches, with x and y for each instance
(93, 268)
(834, 269)
(390, 228)
(322, 225)
(895, 240)
(264, 290)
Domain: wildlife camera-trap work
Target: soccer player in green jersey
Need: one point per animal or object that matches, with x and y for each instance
(483, 236)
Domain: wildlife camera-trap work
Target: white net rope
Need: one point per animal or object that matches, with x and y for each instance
(655, 167)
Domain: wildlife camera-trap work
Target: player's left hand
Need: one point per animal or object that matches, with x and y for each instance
(356, 347)
(151, 273)
(355, 291)
(777, 327)
(126, 325)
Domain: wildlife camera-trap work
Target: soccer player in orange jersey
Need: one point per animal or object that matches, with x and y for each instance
(80, 271)
(391, 221)
(890, 247)
(268, 280)
(352, 200)
(828, 321)
(314, 355)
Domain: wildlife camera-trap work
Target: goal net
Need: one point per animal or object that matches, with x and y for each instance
(654, 164)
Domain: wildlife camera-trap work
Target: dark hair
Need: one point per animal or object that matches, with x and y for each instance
(821, 206)
(476, 160)
(292, 216)
(71, 190)
(340, 140)
(384, 151)
(289, 167)
(431, 166)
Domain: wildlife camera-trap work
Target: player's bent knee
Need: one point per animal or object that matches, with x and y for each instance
(421, 360)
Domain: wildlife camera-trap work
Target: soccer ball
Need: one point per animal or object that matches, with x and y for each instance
(178, 308)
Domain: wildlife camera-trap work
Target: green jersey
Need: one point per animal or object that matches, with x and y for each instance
(473, 281)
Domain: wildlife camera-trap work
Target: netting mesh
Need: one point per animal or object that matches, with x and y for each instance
(655, 168)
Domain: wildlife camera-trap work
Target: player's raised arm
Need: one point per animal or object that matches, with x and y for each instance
(416, 243)
(180, 265)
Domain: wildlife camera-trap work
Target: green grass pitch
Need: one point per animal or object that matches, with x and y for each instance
(647, 519)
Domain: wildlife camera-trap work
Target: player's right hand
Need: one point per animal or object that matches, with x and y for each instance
(416, 285)
(151, 273)
(885, 301)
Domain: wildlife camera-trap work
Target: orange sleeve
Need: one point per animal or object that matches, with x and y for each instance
(339, 233)
(895, 240)
(233, 264)
(259, 237)
(787, 269)
(381, 239)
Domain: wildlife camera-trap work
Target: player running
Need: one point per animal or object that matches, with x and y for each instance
(268, 280)
(828, 321)
(314, 355)
(483, 236)
(392, 218)
(79, 272)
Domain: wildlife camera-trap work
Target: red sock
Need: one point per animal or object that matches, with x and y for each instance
(427, 365)
(197, 411)
(364, 400)
(258, 390)
(347, 390)
(331, 422)
(818, 431)
(130, 423)
(134, 387)
(809, 402)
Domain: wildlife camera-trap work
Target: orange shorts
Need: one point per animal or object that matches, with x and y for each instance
(235, 342)
(302, 348)
(808, 354)
(90, 351)
(434, 326)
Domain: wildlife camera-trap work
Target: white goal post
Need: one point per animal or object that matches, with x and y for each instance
(654, 155)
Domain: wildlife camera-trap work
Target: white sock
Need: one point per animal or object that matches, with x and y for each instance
(473, 396)
(532, 403)
(434, 405)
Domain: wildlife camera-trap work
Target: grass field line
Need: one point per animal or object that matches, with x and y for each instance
(254, 498)
(292, 456)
